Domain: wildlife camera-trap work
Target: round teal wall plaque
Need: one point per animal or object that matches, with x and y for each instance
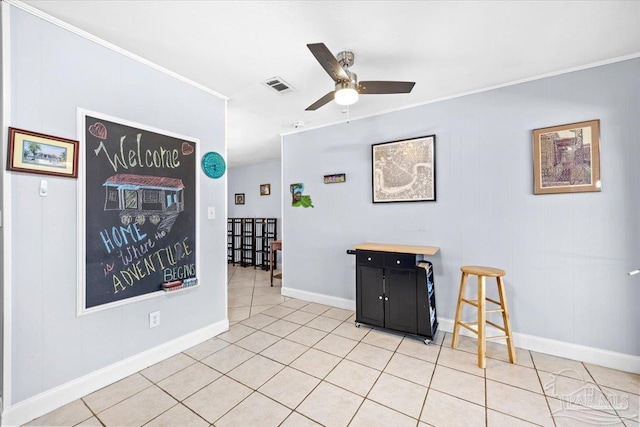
(213, 165)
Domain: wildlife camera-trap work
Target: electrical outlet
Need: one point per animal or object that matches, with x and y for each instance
(154, 319)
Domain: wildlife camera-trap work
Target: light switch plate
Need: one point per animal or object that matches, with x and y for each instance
(211, 212)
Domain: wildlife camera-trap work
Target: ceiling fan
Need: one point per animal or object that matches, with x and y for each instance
(347, 85)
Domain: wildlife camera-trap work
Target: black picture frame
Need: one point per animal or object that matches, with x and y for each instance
(239, 198)
(404, 170)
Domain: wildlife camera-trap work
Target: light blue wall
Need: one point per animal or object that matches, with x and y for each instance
(247, 180)
(54, 71)
(566, 256)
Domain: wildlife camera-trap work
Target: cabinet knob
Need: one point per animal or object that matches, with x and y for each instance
(398, 262)
(386, 298)
(369, 259)
(379, 296)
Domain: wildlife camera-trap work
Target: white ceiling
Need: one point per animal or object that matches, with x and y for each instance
(446, 47)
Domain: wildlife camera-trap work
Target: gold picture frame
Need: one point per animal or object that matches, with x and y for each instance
(34, 152)
(566, 158)
(265, 189)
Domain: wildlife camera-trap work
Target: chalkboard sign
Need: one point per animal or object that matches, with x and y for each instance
(139, 229)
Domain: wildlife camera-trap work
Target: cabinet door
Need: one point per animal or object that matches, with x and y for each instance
(400, 301)
(369, 298)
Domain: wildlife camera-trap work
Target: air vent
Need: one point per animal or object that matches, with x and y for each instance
(279, 85)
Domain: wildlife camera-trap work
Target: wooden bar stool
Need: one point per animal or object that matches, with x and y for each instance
(480, 304)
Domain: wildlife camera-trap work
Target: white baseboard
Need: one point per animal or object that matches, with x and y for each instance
(347, 304)
(57, 397)
(582, 353)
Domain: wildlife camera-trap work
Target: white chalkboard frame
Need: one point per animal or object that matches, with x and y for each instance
(81, 188)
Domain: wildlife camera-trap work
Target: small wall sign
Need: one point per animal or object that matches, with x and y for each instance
(336, 178)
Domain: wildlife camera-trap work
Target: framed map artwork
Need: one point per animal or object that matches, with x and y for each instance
(404, 171)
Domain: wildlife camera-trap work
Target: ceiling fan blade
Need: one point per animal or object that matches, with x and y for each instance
(328, 61)
(382, 87)
(320, 102)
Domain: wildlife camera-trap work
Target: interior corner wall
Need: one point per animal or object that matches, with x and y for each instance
(566, 255)
(53, 72)
(2, 207)
(247, 180)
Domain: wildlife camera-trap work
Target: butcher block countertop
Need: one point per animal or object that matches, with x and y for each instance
(392, 247)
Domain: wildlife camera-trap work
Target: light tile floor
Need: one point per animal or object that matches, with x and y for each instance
(286, 362)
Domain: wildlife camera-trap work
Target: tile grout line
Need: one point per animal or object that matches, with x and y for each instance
(92, 412)
(486, 379)
(119, 401)
(606, 396)
(287, 365)
(621, 418)
(395, 352)
(178, 402)
(323, 379)
(372, 386)
(361, 341)
(332, 332)
(546, 398)
(486, 399)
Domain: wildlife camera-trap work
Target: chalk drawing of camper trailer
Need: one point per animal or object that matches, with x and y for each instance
(140, 197)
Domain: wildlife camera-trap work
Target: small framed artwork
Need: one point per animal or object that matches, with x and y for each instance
(404, 171)
(336, 178)
(239, 198)
(566, 158)
(38, 153)
(265, 189)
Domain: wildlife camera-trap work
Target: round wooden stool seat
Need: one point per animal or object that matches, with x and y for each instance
(478, 270)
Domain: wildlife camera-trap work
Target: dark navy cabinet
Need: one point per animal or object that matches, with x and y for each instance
(395, 291)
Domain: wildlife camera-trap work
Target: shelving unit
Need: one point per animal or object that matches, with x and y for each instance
(265, 233)
(248, 241)
(234, 240)
(427, 307)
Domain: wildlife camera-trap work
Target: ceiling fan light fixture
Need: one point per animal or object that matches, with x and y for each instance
(347, 87)
(346, 96)
(346, 93)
